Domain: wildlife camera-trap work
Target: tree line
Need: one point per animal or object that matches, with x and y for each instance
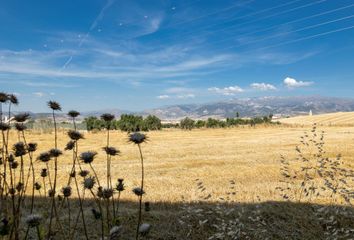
(133, 123)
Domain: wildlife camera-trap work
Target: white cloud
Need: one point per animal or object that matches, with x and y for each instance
(293, 83)
(227, 91)
(163, 97)
(39, 94)
(263, 86)
(184, 96)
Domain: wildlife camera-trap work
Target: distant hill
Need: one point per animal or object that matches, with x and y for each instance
(247, 107)
(251, 107)
(339, 118)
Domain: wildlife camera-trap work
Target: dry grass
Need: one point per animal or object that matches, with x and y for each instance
(330, 119)
(175, 158)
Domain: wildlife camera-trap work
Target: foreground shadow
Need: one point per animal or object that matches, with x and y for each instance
(203, 220)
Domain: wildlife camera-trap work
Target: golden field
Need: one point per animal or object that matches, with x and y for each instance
(174, 159)
(329, 119)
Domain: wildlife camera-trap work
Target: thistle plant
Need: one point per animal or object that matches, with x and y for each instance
(137, 139)
(54, 106)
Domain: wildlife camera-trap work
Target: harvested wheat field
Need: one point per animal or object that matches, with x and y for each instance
(215, 183)
(174, 159)
(329, 119)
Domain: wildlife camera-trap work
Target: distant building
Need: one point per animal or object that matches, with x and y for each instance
(310, 113)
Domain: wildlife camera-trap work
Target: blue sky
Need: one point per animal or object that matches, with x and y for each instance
(138, 54)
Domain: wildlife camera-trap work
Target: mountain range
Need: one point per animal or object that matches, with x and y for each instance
(246, 107)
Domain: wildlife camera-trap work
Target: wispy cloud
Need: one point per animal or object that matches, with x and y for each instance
(227, 91)
(263, 86)
(163, 97)
(293, 83)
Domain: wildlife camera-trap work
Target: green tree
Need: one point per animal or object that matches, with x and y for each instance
(187, 123)
(152, 123)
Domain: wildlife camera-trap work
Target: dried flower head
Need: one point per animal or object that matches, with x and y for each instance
(137, 138)
(20, 127)
(55, 106)
(19, 149)
(11, 158)
(19, 186)
(51, 193)
(84, 173)
(107, 193)
(12, 191)
(13, 99)
(120, 185)
(32, 147)
(70, 145)
(75, 135)
(13, 164)
(54, 152)
(88, 157)
(44, 157)
(107, 117)
(112, 151)
(44, 173)
(115, 233)
(37, 186)
(144, 229)
(89, 182)
(21, 117)
(4, 126)
(33, 220)
(73, 113)
(73, 174)
(138, 191)
(67, 191)
(4, 97)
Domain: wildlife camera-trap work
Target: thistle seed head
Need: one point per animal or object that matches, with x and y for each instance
(73, 113)
(55, 106)
(70, 145)
(21, 117)
(107, 117)
(89, 182)
(20, 127)
(19, 149)
(107, 193)
(11, 158)
(44, 157)
(19, 186)
(137, 138)
(112, 151)
(4, 126)
(138, 191)
(13, 99)
(67, 191)
(32, 147)
(4, 97)
(88, 157)
(120, 185)
(13, 164)
(75, 135)
(44, 173)
(84, 173)
(51, 193)
(33, 220)
(54, 152)
(37, 186)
